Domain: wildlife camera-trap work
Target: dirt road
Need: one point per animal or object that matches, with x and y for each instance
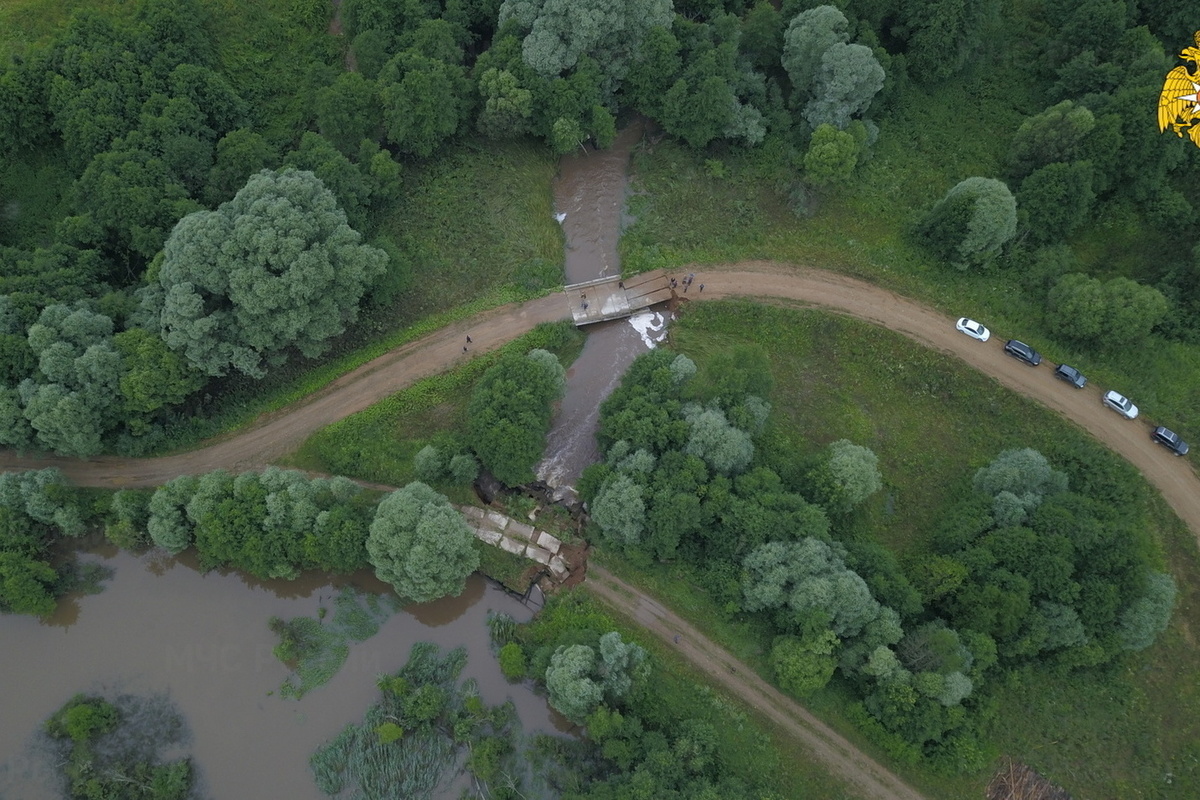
(842, 758)
(281, 432)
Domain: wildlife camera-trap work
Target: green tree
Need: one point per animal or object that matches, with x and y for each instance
(1056, 134)
(1149, 615)
(831, 158)
(806, 577)
(968, 226)
(1117, 314)
(153, 376)
(560, 32)
(1055, 200)
(762, 36)
(804, 665)
(429, 464)
(510, 412)
(854, 471)
(276, 267)
(808, 37)
(425, 102)
(619, 510)
(240, 154)
(348, 111)
(942, 34)
(572, 690)
(168, 524)
(507, 107)
(847, 81)
(337, 173)
(420, 544)
(726, 449)
(77, 400)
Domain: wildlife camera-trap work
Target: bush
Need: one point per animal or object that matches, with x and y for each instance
(512, 661)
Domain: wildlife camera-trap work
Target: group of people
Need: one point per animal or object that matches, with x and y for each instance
(691, 276)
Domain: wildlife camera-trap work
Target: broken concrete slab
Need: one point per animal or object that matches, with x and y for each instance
(512, 546)
(538, 554)
(559, 567)
(520, 529)
(547, 541)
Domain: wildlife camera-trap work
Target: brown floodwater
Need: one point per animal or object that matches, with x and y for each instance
(591, 190)
(161, 626)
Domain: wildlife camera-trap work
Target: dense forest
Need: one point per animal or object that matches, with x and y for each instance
(210, 222)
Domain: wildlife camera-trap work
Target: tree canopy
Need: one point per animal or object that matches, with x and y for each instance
(420, 544)
(276, 267)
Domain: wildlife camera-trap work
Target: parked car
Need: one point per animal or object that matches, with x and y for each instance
(1070, 375)
(973, 329)
(1170, 440)
(1022, 351)
(1120, 404)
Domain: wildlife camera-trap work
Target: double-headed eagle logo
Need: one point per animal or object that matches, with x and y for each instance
(1179, 102)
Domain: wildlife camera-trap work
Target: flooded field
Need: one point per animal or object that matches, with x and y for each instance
(162, 627)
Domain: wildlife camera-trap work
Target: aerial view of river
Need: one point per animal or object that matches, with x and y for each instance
(590, 198)
(161, 626)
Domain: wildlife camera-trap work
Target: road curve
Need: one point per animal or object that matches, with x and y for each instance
(281, 432)
(845, 761)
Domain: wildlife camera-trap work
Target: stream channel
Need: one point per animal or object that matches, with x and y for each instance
(163, 627)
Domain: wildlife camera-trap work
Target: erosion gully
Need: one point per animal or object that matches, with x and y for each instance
(163, 626)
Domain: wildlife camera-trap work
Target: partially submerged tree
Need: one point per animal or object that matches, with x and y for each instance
(421, 545)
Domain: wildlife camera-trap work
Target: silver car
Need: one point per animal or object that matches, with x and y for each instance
(1120, 404)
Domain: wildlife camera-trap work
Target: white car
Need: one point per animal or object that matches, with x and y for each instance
(1120, 404)
(973, 329)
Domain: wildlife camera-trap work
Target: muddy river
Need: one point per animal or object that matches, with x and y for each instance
(162, 626)
(590, 199)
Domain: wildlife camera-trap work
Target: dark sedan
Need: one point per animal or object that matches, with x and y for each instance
(1023, 351)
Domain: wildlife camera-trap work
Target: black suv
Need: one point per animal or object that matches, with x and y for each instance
(1070, 375)
(1170, 440)
(1023, 351)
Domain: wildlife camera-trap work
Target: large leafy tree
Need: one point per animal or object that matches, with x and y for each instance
(808, 36)
(968, 226)
(425, 101)
(420, 544)
(510, 413)
(561, 31)
(1117, 314)
(276, 267)
(847, 81)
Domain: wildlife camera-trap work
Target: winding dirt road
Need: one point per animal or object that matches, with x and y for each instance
(283, 431)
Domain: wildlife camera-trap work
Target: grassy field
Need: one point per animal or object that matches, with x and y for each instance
(378, 444)
(686, 215)
(921, 412)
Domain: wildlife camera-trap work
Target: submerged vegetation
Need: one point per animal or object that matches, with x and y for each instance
(111, 750)
(316, 648)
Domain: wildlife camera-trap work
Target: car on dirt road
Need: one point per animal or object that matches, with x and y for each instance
(973, 329)
(1022, 352)
(1120, 404)
(1170, 440)
(1070, 375)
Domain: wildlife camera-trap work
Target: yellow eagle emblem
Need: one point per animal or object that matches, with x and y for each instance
(1179, 102)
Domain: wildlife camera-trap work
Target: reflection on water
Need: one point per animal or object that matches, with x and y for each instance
(162, 626)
